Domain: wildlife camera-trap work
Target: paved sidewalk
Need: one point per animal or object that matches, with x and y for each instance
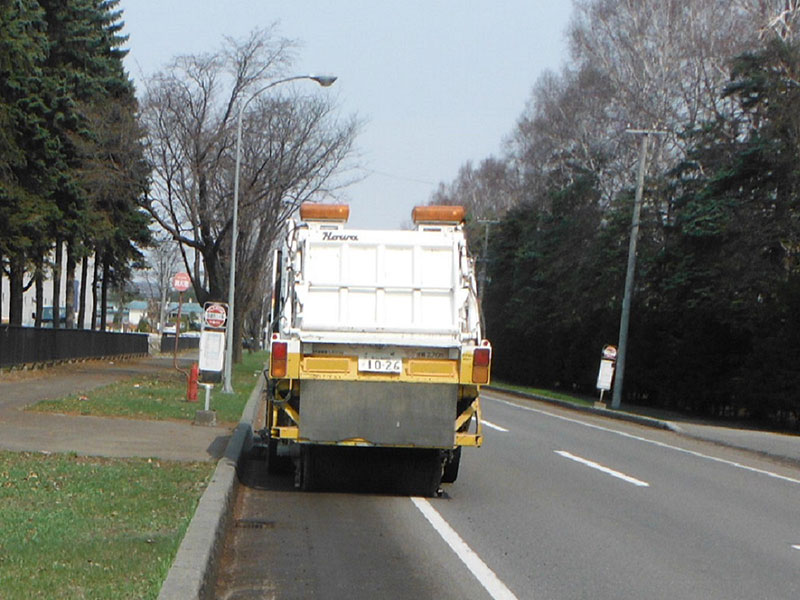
(777, 445)
(97, 436)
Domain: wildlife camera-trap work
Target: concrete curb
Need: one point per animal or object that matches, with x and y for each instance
(191, 573)
(604, 412)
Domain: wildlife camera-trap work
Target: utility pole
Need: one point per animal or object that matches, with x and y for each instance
(624, 321)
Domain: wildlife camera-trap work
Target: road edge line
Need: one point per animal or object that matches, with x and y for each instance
(603, 412)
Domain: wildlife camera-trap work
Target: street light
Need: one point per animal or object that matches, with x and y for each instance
(324, 81)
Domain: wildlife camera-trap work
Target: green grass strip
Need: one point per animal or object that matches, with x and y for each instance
(162, 396)
(501, 385)
(92, 528)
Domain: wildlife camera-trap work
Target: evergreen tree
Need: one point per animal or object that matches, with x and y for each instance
(27, 147)
(735, 262)
(85, 59)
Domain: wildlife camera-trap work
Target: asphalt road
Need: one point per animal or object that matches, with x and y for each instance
(555, 505)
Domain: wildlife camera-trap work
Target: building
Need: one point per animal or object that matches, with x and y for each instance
(29, 297)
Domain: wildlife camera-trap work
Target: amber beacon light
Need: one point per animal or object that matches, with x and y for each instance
(438, 214)
(310, 211)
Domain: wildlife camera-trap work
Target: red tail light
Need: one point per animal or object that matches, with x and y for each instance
(481, 359)
(278, 359)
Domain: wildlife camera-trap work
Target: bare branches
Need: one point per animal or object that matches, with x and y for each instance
(784, 23)
(293, 147)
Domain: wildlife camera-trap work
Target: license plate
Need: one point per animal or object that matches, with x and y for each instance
(380, 365)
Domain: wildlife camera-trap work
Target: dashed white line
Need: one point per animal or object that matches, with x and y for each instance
(653, 442)
(493, 426)
(487, 578)
(796, 546)
(601, 468)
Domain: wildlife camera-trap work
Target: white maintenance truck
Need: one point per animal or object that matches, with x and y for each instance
(375, 342)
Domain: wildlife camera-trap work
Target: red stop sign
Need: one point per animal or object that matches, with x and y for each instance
(181, 282)
(215, 315)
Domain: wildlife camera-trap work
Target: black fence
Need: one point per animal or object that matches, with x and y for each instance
(185, 342)
(29, 345)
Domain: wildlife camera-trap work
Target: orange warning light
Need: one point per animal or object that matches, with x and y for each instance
(310, 211)
(438, 214)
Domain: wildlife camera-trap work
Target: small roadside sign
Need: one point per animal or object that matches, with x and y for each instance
(606, 375)
(181, 282)
(212, 351)
(215, 314)
(610, 352)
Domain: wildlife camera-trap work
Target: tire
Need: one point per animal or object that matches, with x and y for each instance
(422, 473)
(450, 473)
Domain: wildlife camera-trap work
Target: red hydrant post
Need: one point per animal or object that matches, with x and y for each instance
(191, 383)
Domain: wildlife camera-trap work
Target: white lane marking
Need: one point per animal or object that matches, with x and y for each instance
(653, 442)
(493, 426)
(796, 547)
(487, 578)
(606, 470)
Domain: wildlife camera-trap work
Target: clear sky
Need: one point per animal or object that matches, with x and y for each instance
(437, 83)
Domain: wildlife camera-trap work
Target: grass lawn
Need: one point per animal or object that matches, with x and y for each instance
(162, 396)
(501, 385)
(92, 528)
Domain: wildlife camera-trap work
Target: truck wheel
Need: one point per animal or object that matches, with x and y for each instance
(433, 478)
(451, 468)
(423, 473)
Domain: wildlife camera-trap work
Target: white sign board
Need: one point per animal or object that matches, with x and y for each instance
(606, 375)
(212, 350)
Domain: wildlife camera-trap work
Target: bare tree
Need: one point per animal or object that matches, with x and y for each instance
(571, 126)
(642, 63)
(486, 191)
(293, 147)
(163, 261)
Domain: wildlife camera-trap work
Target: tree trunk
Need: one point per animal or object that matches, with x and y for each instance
(238, 327)
(57, 271)
(82, 299)
(162, 315)
(2, 273)
(16, 281)
(94, 291)
(69, 300)
(104, 292)
(39, 277)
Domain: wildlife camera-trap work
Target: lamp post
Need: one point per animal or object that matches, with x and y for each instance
(324, 81)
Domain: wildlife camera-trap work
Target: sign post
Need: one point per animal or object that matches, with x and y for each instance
(212, 354)
(180, 283)
(212, 338)
(605, 376)
(215, 315)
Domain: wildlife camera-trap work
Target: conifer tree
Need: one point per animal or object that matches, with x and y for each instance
(27, 148)
(85, 59)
